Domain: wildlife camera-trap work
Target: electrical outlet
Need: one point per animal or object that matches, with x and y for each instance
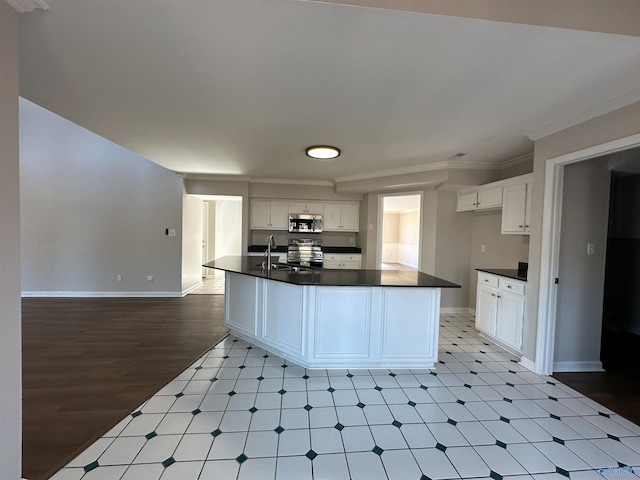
(118, 278)
(591, 248)
(150, 278)
(482, 248)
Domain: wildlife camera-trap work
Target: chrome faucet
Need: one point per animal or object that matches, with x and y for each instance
(271, 244)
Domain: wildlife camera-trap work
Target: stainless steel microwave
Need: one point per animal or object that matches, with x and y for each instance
(305, 223)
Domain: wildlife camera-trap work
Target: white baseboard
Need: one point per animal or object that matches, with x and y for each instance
(66, 294)
(455, 310)
(528, 364)
(192, 288)
(595, 366)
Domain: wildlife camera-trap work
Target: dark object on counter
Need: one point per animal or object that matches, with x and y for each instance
(523, 268)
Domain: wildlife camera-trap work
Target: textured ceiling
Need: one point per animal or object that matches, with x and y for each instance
(241, 87)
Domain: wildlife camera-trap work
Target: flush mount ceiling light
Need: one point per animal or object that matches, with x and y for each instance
(323, 152)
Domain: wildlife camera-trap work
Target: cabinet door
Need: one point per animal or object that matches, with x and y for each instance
(332, 216)
(350, 217)
(514, 206)
(315, 208)
(486, 307)
(297, 207)
(467, 201)
(489, 198)
(509, 319)
(527, 210)
(279, 215)
(260, 214)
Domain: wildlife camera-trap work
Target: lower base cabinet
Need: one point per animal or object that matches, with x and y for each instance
(500, 310)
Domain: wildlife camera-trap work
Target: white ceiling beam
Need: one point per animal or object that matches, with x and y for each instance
(620, 17)
(26, 6)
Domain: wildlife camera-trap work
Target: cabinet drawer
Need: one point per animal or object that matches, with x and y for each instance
(512, 286)
(486, 279)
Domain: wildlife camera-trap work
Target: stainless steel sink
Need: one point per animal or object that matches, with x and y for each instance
(284, 267)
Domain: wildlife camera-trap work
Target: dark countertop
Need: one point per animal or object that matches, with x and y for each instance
(322, 276)
(506, 272)
(325, 249)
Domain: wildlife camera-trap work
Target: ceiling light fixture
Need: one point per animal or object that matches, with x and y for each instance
(323, 152)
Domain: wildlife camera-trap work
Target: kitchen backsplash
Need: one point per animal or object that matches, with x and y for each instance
(333, 239)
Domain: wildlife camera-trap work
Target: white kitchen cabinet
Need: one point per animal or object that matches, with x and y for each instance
(269, 215)
(500, 309)
(516, 209)
(350, 261)
(341, 217)
(481, 199)
(306, 207)
(486, 308)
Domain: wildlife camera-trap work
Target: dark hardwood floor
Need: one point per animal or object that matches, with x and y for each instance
(89, 362)
(618, 391)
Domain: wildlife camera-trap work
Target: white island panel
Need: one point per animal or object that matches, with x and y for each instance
(242, 303)
(342, 322)
(408, 330)
(284, 314)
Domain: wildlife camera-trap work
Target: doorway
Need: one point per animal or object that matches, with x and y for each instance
(548, 302)
(221, 236)
(400, 232)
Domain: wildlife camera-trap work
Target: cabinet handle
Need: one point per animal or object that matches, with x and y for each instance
(499, 296)
(508, 286)
(486, 279)
(520, 226)
(493, 294)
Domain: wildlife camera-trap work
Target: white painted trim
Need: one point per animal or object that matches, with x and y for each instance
(26, 6)
(577, 367)
(550, 252)
(452, 310)
(192, 288)
(528, 364)
(68, 294)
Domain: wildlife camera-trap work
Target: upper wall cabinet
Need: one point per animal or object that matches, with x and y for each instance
(302, 207)
(341, 217)
(512, 195)
(516, 209)
(481, 199)
(269, 215)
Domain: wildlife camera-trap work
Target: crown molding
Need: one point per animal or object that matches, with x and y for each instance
(287, 181)
(213, 177)
(615, 103)
(26, 6)
(527, 157)
(249, 179)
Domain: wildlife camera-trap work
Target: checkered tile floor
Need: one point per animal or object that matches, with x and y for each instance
(242, 413)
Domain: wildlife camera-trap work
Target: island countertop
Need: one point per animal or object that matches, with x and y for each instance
(247, 265)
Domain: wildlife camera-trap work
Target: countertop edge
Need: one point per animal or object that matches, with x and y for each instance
(514, 274)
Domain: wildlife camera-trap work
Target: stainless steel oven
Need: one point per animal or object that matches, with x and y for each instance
(305, 223)
(304, 251)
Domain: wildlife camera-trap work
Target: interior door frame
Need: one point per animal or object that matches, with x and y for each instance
(550, 248)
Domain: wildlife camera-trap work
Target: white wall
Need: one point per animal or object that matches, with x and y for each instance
(453, 250)
(10, 312)
(228, 234)
(409, 238)
(501, 251)
(390, 237)
(585, 213)
(92, 210)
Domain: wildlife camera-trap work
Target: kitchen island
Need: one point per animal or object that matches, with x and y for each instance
(321, 318)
